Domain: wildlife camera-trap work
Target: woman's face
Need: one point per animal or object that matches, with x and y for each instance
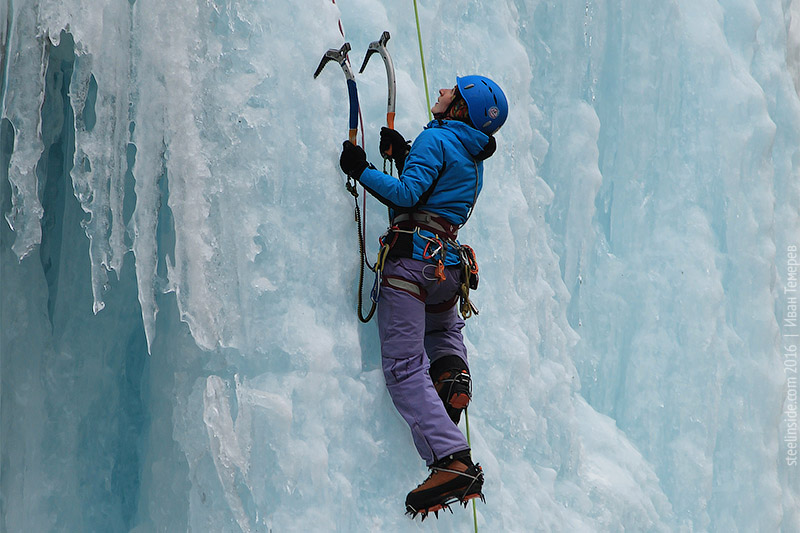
(445, 99)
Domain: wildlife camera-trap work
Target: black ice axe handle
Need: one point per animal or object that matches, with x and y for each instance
(340, 56)
(379, 46)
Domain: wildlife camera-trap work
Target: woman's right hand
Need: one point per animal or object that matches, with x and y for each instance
(394, 147)
(393, 144)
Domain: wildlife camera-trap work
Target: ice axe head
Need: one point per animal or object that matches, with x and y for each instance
(375, 46)
(339, 55)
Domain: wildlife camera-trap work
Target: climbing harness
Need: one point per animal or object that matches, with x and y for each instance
(440, 237)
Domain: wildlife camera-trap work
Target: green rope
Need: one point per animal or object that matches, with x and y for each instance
(422, 59)
(430, 117)
(466, 419)
(474, 510)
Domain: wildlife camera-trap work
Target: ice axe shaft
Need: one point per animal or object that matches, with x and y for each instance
(340, 56)
(379, 46)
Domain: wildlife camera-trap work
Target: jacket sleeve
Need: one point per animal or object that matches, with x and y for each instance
(423, 164)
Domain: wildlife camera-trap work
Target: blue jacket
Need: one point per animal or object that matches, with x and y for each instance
(447, 156)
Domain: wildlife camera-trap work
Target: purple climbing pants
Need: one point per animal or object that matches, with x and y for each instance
(411, 339)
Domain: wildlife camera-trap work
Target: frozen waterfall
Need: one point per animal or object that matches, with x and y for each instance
(179, 349)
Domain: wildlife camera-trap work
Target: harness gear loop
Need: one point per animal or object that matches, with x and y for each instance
(467, 308)
(468, 256)
(470, 281)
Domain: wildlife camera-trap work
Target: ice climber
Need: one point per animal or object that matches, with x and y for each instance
(423, 354)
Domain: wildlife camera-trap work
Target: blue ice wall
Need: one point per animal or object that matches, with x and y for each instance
(179, 349)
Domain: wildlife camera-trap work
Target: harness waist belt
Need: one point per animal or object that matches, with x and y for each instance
(438, 225)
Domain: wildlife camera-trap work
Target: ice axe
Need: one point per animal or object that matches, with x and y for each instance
(340, 56)
(379, 46)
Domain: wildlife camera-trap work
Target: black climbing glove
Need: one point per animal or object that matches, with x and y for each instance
(353, 160)
(394, 147)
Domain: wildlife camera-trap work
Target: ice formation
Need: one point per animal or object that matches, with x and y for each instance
(180, 350)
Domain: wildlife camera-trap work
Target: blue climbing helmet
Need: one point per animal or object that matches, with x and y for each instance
(487, 104)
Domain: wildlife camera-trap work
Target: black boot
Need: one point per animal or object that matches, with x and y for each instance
(451, 378)
(452, 479)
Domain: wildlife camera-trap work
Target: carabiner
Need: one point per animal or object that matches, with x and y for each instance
(425, 254)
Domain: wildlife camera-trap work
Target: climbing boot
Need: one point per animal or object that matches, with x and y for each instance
(451, 378)
(452, 479)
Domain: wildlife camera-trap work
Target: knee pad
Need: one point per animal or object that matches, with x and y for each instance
(453, 383)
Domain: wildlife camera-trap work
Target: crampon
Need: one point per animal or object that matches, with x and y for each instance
(442, 506)
(459, 482)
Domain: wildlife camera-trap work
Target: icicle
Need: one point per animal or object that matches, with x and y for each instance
(22, 100)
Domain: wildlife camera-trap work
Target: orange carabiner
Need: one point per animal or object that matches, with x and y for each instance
(440, 272)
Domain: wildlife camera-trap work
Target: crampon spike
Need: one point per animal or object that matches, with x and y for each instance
(465, 500)
(434, 509)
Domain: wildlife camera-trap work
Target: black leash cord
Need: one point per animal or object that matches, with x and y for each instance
(351, 186)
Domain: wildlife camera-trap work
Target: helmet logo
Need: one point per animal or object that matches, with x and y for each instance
(494, 112)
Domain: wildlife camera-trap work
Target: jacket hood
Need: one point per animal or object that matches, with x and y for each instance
(479, 145)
